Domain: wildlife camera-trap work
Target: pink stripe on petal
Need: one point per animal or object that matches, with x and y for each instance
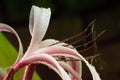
(56, 50)
(74, 74)
(77, 66)
(28, 72)
(7, 28)
(43, 59)
(59, 51)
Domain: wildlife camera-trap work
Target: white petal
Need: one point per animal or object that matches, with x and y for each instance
(50, 42)
(39, 20)
(7, 28)
(47, 43)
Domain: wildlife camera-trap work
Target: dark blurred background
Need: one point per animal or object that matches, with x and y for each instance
(70, 17)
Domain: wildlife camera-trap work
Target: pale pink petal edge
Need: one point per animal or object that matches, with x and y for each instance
(7, 28)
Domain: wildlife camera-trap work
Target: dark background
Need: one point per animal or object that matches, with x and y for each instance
(70, 17)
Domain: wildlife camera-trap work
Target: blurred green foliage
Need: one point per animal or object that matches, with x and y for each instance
(8, 55)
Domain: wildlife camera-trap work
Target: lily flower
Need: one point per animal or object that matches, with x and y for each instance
(47, 52)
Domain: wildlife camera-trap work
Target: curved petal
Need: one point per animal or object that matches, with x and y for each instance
(39, 20)
(51, 42)
(47, 43)
(77, 66)
(7, 28)
(43, 59)
(75, 75)
(57, 51)
(64, 51)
